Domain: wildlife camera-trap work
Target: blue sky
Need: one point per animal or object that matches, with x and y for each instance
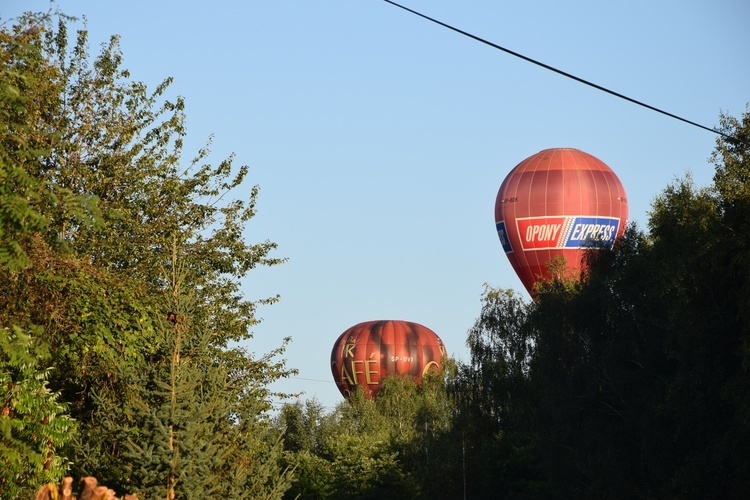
(379, 140)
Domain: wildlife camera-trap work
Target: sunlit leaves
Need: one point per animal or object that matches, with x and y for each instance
(33, 423)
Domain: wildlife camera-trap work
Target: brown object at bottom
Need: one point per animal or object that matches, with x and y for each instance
(91, 491)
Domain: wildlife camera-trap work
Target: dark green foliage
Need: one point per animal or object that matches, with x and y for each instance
(635, 380)
(491, 395)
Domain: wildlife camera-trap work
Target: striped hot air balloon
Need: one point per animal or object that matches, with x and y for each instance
(367, 353)
(558, 202)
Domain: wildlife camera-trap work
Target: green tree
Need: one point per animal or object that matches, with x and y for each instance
(638, 373)
(732, 181)
(632, 381)
(191, 433)
(30, 97)
(389, 447)
(366, 463)
(497, 455)
(33, 422)
(34, 426)
(307, 431)
(97, 217)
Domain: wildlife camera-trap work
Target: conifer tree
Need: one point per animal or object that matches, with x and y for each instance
(191, 435)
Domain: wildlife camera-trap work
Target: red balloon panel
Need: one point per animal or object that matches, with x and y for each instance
(558, 202)
(367, 353)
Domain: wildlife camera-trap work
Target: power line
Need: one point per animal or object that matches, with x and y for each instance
(314, 379)
(563, 73)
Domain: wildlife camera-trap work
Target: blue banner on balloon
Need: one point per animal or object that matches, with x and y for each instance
(503, 235)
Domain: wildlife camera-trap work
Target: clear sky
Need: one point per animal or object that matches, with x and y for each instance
(379, 140)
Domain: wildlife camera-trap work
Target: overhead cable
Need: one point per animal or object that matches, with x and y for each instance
(563, 73)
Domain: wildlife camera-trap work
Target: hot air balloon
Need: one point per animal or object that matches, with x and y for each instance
(558, 203)
(367, 353)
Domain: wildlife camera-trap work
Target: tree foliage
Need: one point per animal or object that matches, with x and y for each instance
(365, 448)
(633, 380)
(105, 235)
(630, 382)
(34, 424)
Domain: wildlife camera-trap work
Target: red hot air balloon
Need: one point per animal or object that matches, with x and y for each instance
(365, 354)
(558, 202)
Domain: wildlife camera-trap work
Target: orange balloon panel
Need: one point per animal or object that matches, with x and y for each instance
(558, 202)
(367, 353)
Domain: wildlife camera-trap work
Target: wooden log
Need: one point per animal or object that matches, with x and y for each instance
(90, 490)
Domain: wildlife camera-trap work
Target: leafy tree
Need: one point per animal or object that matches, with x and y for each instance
(492, 393)
(366, 464)
(350, 452)
(33, 422)
(630, 382)
(191, 434)
(391, 446)
(732, 181)
(99, 327)
(732, 178)
(97, 218)
(30, 95)
(307, 430)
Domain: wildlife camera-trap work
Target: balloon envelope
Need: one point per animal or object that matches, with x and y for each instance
(558, 203)
(367, 353)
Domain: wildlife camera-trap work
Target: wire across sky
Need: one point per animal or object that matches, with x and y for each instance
(564, 73)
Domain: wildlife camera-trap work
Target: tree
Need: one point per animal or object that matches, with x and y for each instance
(732, 180)
(307, 430)
(350, 452)
(34, 425)
(33, 422)
(190, 433)
(98, 218)
(393, 446)
(493, 396)
(631, 382)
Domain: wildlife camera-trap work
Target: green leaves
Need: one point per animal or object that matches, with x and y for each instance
(103, 233)
(365, 448)
(33, 424)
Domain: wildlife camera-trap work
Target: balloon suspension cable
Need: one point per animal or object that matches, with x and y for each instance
(566, 74)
